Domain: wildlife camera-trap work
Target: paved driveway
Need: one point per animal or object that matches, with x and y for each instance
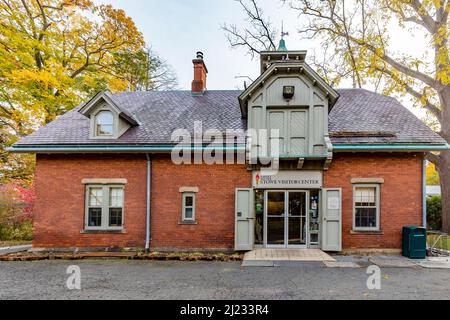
(123, 279)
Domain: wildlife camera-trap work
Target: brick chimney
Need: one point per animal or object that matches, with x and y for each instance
(200, 72)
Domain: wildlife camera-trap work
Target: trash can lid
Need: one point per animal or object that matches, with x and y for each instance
(413, 227)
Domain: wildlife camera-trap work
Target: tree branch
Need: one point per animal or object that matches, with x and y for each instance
(433, 158)
(428, 21)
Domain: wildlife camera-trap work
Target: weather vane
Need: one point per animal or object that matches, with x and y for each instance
(282, 30)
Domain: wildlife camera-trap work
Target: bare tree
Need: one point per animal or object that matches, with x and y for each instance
(259, 35)
(143, 70)
(355, 37)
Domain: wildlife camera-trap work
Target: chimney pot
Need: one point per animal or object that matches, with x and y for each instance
(200, 72)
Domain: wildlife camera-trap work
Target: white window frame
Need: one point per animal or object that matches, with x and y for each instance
(184, 206)
(104, 207)
(377, 204)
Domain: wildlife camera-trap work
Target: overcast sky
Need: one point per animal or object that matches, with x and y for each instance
(177, 29)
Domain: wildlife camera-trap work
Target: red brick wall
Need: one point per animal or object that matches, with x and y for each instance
(401, 194)
(60, 201)
(214, 204)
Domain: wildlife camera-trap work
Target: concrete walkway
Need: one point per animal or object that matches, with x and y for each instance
(275, 257)
(298, 257)
(14, 249)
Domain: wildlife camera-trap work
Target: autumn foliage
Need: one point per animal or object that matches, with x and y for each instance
(55, 54)
(16, 212)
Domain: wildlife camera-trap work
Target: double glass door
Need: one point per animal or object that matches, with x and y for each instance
(286, 219)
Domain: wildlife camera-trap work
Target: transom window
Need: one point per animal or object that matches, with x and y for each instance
(104, 207)
(104, 123)
(366, 207)
(188, 206)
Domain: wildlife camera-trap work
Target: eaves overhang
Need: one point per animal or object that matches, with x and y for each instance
(288, 67)
(158, 148)
(390, 147)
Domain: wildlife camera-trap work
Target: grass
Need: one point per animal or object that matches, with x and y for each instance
(443, 243)
(13, 243)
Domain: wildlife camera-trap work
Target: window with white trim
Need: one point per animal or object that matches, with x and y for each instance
(104, 123)
(104, 207)
(366, 207)
(188, 206)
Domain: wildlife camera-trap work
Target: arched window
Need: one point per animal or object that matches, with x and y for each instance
(104, 123)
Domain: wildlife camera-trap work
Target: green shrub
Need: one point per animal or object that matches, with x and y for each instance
(22, 231)
(434, 213)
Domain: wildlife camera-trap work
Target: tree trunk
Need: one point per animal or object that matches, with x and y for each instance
(443, 165)
(444, 175)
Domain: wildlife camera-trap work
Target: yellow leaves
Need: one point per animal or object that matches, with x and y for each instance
(117, 85)
(442, 35)
(423, 100)
(41, 77)
(432, 175)
(46, 71)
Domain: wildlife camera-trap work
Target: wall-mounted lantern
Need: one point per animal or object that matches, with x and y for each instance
(288, 92)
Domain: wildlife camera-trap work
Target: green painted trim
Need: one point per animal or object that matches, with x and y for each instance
(390, 147)
(240, 147)
(120, 148)
(306, 156)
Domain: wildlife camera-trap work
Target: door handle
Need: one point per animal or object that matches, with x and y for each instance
(250, 218)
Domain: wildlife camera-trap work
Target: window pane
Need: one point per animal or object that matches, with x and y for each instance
(95, 217)
(372, 217)
(359, 213)
(259, 217)
(189, 201)
(275, 203)
(365, 196)
(105, 118)
(188, 213)
(366, 217)
(95, 196)
(116, 197)
(104, 129)
(105, 122)
(115, 217)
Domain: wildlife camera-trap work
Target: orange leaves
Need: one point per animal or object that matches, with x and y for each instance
(45, 46)
(55, 53)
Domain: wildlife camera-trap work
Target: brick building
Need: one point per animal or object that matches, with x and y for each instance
(289, 163)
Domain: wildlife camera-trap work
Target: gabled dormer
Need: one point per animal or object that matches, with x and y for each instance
(291, 97)
(107, 119)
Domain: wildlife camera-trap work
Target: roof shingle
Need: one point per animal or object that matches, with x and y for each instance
(357, 112)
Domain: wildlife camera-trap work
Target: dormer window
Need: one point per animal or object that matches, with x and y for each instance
(107, 119)
(104, 123)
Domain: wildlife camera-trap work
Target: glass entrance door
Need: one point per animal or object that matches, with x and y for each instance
(296, 223)
(286, 219)
(276, 205)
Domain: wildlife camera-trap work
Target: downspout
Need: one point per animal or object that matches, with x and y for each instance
(149, 185)
(424, 193)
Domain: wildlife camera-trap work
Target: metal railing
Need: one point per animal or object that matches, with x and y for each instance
(438, 243)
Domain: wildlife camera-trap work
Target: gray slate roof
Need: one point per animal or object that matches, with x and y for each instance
(359, 116)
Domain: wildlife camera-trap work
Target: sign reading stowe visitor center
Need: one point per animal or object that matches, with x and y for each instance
(288, 180)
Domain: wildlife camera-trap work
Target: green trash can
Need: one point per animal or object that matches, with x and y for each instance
(414, 242)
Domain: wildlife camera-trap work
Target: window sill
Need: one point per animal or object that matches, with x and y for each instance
(186, 222)
(105, 231)
(367, 232)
